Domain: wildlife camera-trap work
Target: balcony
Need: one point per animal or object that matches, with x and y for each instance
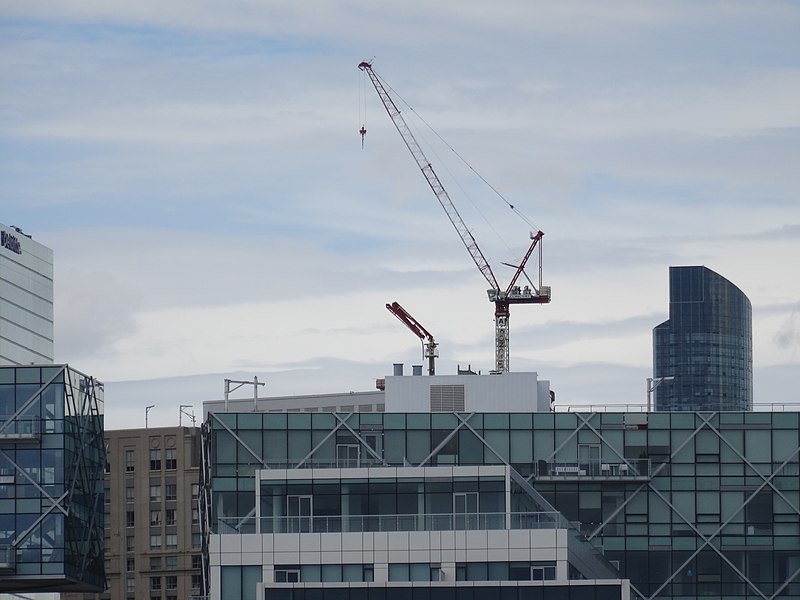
(390, 523)
(633, 470)
(20, 429)
(7, 559)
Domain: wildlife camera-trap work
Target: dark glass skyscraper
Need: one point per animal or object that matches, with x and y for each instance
(704, 352)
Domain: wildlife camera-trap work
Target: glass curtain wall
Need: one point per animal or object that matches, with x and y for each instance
(687, 504)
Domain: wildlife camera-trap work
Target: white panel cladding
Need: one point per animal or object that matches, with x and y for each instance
(509, 392)
(383, 548)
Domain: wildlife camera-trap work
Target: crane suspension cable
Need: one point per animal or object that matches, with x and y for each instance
(461, 158)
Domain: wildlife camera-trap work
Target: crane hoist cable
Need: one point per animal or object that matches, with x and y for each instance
(519, 213)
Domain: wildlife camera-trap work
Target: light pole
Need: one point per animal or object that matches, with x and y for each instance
(182, 412)
(653, 383)
(255, 383)
(146, 411)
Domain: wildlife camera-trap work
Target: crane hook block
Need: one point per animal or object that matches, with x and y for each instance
(363, 132)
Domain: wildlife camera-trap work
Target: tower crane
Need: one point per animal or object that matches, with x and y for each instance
(502, 297)
(431, 350)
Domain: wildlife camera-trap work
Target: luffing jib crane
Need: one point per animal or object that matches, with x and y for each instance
(502, 298)
(431, 350)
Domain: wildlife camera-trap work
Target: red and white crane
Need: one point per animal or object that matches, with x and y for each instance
(430, 348)
(502, 297)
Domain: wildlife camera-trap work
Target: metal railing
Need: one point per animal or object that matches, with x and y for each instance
(388, 523)
(332, 463)
(8, 558)
(21, 428)
(642, 408)
(635, 468)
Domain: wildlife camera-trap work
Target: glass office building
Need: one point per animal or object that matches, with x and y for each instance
(682, 504)
(26, 299)
(51, 480)
(703, 355)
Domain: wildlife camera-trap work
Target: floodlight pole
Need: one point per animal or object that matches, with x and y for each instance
(182, 412)
(652, 384)
(255, 383)
(146, 413)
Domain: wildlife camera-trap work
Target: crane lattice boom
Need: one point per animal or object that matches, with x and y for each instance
(430, 175)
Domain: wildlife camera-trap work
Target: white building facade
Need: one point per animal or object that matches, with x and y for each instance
(26, 299)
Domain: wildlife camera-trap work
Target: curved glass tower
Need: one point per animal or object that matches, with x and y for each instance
(703, 354)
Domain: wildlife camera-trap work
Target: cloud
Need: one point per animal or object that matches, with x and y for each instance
(788, 336)
(197, 169)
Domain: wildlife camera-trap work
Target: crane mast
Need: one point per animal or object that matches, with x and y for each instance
(502, 298)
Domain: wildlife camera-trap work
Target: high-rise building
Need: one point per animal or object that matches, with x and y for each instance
(703, 354)
(26, 299)
(51, 480)
(152, 533)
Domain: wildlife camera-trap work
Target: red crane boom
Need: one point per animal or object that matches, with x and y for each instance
(430, 351)
(502, 298)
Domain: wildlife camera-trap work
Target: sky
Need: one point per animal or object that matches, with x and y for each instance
(197, 169)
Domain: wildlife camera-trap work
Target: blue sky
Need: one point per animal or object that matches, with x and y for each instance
(196, 168)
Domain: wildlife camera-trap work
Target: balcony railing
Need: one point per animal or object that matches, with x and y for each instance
(20, 428)
(333, 463)
(387, 523)
(7, 559)
(635, 469)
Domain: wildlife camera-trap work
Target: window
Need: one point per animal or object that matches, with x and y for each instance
(410, 572)
(155, 563)
(130, 543)
(130, 518)
(155, 493)
(195, 491)
(130, 494)
(130, 461)
(130, 565)
(172, 541)
(170, 516)
(171, 458)
(155, 584)
(197, 561)
(287, 574)
(195, 516)
(171, 582)
(197, 581)
(196, 541)
(107, 495)
(155, 518)
(129, 583)
(155, 460)
(172, 491)
(155, 541)
(172, 562)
